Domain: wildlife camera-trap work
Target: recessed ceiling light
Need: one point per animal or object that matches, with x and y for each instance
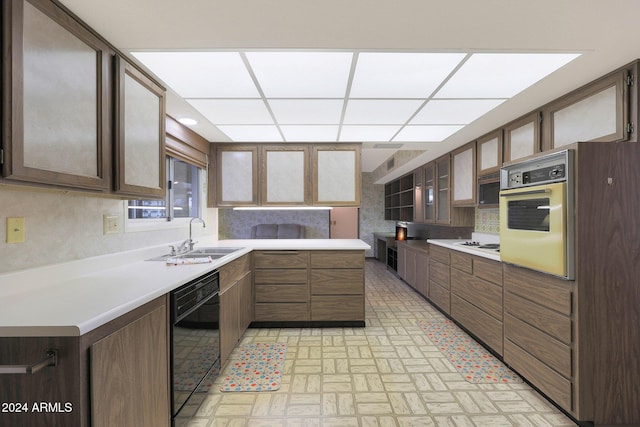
(188, 121)
(233, 111)
(380, 111)
(426, 133)
(310, 133)
(307, 111)
(454, 111)
(355, 133)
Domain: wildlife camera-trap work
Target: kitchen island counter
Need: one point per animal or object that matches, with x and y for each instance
(71, 299)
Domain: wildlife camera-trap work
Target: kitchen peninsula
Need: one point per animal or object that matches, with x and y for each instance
(120, 302)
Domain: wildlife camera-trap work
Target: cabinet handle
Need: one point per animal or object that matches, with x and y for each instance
(51, 359)
(524, 193)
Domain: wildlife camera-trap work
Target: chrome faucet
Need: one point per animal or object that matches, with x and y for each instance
(190, 241)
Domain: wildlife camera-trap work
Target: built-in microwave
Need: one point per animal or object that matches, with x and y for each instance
(489, 190)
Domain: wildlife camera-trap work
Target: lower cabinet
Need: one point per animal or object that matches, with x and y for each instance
(440, 278)
(415, 265)
(117, 374)
(236, 303)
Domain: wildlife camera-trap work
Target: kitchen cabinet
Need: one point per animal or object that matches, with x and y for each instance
(236, 176)
(415, 266)
(399, 199)
(522, 137)
(444, 213)
(489, 155)
(236, 303)
(285, 176)
(337, 286)
(440, 278)
(140, 134)
(56, 114)
(117, 374)
(476, 297)
(281, 285)
(337, 177)
(463, 171)
(596, 112)
(428, 192)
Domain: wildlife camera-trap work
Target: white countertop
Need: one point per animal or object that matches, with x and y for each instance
(455, 244)
(73, 298)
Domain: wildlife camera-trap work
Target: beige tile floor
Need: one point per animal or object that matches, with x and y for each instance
(387, 374)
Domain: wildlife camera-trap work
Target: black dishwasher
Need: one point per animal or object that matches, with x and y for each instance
(195, 339)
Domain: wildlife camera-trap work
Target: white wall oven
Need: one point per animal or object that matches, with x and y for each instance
(536, 214)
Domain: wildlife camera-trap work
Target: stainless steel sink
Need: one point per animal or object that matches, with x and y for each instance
(203, 252)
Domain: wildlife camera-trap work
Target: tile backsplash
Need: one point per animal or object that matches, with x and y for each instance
(487, 221)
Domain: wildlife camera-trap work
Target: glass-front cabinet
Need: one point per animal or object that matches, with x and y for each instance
(428, 192)
(522, 137)
(443, 194)
(285, 175)
(236, 182)
(56, 124)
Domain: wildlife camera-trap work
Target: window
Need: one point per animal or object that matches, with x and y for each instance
(182, 199)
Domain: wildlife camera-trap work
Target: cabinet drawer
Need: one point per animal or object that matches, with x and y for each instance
(281, 293)
(439, 254)
(277, 275)
(553, 323)
(440, 296)
(488, 270)
(337, 259)
(337, 282)
(281, 312)
(540, 288)
(328, 308)
(281, 259)
(485, 327)
(552, 384)
(462, 261)
(482, 294)
(233, 271)
(548, 350)
(439, 273)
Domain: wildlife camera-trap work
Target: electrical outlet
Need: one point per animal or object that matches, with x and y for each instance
(15, 230)
(110, 224)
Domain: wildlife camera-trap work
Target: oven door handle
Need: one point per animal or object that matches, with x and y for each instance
(524, 193)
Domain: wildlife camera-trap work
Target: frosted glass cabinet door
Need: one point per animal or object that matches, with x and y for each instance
(285, 175)
(56, 124)
(337, 176)
(464, 175)
(237, 176)
(522, 137)
(489, 153)
(140, 142)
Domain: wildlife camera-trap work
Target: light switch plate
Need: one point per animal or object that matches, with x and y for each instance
(15, 230)
(110, 224)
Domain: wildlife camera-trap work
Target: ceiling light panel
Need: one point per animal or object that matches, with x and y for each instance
(367, 133)
(501, 75)
(233, 111)
(252, 133)
(401, 75)
(201, 74)
(310, 133)
(307, 111)
(301, 74)
(426, 133)
(454, 112)
(380, 112)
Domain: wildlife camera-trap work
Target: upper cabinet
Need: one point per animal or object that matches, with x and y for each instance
(336, 175)
(56, 99)
(522, 137)
(463, 181)
(489, 153)
(285, 175)
(596, 112)
(140, 137)
(236, 179)
(428, 192)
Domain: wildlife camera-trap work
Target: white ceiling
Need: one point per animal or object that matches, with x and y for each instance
(603, 32)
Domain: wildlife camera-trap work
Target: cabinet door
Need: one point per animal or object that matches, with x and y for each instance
(285, 178)
(463, 162)
(229, 320)
(443, 202)
(597, 112)
(522, 137)
(56, 104)
(337, 178)
(237, 176)
(422, 274)
(401, 258)
(245, 303)
(428, 192)
(140, 134)
(489, 154)
(130, 374)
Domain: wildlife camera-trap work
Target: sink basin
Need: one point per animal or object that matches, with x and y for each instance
(213, 252)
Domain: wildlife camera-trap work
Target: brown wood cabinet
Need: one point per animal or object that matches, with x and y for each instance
(463, 176)
(337, 176)
(236, 303)
(522, 137)
(445, 214)
(117, 374)
(413, 265)
(440, 277)
(337, 286)
(489, 153)
(285, 175)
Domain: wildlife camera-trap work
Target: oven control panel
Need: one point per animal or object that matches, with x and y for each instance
(545, 169)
